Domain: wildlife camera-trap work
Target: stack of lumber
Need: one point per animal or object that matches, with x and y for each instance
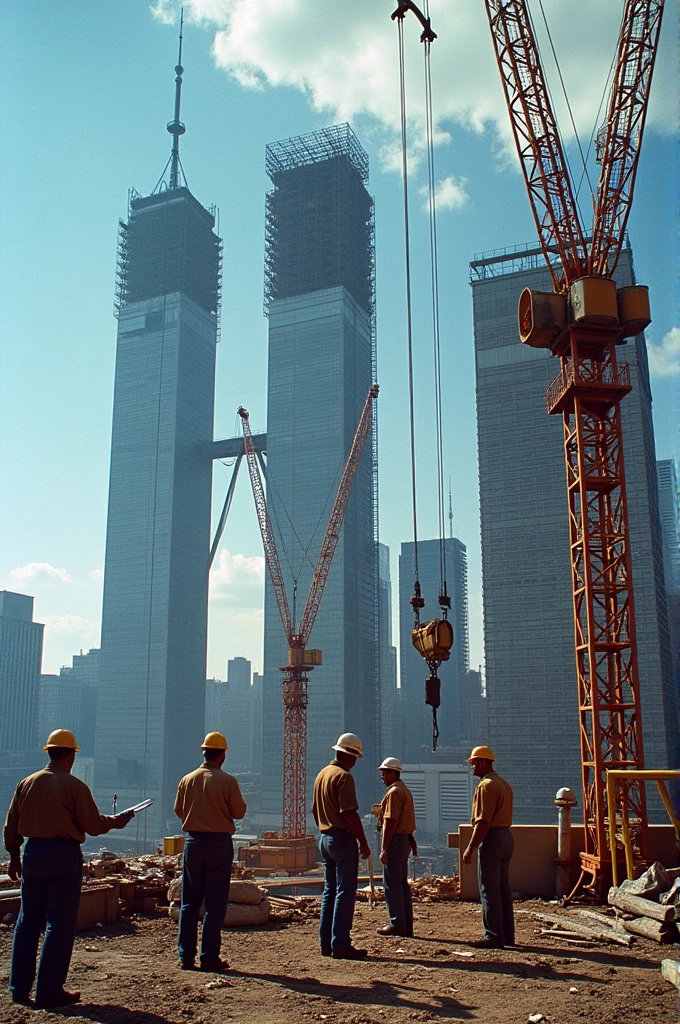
(645, 916)
(584, 927)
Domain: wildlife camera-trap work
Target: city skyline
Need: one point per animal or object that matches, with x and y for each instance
(65, 369)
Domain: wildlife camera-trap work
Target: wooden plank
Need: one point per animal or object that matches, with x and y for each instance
(658, 931)
(641, 907)
(579, 928)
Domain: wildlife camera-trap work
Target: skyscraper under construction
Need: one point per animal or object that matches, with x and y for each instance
(319, 293)
(154, 619)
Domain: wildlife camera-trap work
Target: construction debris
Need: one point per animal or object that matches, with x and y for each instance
(436, 889)
(670, 970)
(642, 907)
(658, 931)
(585, 931)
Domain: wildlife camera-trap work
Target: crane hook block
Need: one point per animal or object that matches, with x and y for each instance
(433, 689)
(433, 640)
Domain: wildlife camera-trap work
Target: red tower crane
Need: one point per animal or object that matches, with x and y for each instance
(581, 322)
(301, 660)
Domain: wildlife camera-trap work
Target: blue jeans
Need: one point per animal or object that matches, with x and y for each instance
(493, 870)
(51, 878)
(397, 889)
(340, 855)
(208, 857)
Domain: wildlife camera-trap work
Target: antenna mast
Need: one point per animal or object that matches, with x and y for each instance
(450, 512)
(175, 127)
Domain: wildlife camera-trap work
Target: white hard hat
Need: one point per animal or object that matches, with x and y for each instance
(393, 763)
(349, 743)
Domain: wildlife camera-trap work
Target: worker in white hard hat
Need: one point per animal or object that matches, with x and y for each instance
(491, 835)
(52, 810)
(208, 801)
(335, 809)
(397, 822)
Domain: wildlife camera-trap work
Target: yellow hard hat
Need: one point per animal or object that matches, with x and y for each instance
(485, 752)
(61, 738)
(215, 741)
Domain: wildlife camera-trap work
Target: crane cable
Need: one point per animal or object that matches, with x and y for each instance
(416, 601)
(444, 600)
(434, 639)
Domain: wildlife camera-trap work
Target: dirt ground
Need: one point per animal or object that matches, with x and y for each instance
(127, 974)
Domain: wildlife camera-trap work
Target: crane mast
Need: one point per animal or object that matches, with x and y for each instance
(581, 323)
(301, 660)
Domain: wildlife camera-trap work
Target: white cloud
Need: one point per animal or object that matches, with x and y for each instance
(664, 357)
(96, 574)
(73, 625)
(450, 194)
(38, 573)
(345, 60)
(234, 573)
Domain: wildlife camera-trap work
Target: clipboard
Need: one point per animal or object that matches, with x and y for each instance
(138, 807)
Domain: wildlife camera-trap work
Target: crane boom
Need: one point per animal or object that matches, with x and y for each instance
(330, 540)
(271, 555)
(539, 147)
(623, 131)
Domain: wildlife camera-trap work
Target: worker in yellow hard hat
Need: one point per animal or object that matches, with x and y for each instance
(397, 822)
(336, 813)
(491, 835)
(52, 810)
(208, 801)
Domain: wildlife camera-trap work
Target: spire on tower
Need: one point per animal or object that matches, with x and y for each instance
(450, 511)
(175, 127)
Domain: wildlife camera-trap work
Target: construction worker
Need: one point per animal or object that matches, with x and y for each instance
(208, 801)
(491, 820)
(335, 811)
(52, 810)
(397, 822)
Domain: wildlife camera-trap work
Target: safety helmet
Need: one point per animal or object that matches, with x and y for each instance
(61, 738)
(392, 763)
(349, 743)
(484, 752)
(215, 741)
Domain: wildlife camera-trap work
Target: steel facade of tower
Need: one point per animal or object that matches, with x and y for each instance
(417, 717)
(319, 274)
(528, 617)
(154, 619)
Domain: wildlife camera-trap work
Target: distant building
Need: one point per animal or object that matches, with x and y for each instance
(319, 268)
(388, 658)
(670, 529)
(21, 642)
(154, 616)
(528, 615)
(442, 799)
(69, 700)
(417, 717)
(475, 718)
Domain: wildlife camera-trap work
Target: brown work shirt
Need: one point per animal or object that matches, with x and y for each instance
(334, 794)
(208, 800)
(397, 804)
(53, 804)
(492, 801)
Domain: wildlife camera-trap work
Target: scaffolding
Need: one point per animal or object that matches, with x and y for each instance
(319, 220)
(168, 244)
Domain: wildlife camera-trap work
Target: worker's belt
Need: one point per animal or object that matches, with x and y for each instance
(336, 831)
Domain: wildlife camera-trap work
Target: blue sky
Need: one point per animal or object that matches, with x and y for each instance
(88, 89)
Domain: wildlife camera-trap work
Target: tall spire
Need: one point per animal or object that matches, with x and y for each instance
(450, 512)
(175, 127)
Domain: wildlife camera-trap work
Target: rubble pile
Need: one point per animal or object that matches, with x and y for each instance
(436, 889)
(248, 903)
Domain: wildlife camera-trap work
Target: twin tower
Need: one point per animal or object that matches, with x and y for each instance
(319, 284)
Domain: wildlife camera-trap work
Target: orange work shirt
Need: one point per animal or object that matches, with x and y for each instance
(208, 800)
(53, 804)
(334, 794)
(492, 801)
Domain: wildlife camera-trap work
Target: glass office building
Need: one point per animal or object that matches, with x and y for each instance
(417, 717)
(319, 293)
(528, 616)
(154, 618)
